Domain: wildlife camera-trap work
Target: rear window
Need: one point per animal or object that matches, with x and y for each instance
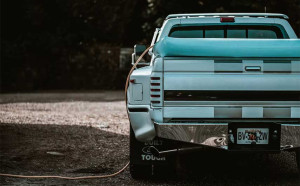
(227, 31)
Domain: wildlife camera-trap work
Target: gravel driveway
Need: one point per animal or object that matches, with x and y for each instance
(80, 134)
(103, 110)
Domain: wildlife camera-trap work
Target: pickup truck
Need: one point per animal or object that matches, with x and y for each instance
(222, 81)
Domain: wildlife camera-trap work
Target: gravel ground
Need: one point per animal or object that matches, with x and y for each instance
(104, 110)
(83, 134)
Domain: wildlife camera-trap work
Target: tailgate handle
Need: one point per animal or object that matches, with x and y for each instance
(252, 68)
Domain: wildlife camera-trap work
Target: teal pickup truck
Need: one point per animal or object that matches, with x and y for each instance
(226, 81)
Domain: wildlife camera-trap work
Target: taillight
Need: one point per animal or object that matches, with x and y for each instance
(155, 89)
(155, 96)
(227, 19)
(155, 102)
(155, 78)
(155, 84)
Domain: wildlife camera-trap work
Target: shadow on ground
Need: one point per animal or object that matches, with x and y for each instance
(80, 151)
(63, 97)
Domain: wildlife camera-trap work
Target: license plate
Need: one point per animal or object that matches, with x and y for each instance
(258, 136)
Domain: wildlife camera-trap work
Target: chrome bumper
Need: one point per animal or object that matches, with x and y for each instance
(216, 134)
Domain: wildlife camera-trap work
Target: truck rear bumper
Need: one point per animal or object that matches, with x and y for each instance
(213, 134)
(141, 123)
(217, 134)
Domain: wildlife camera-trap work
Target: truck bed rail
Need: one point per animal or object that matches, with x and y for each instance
(198, 47)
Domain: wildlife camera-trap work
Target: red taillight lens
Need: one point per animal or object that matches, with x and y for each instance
(227, 19)
(155, 102)
(132, 81)
(155, 78)
(155, 84)
(155, 96)
(155, 90)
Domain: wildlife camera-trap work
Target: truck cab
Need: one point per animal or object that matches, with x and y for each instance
(227, 81)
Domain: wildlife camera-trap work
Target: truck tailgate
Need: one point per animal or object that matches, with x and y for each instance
(231, 87)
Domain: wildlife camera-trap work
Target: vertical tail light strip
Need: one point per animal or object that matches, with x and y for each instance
(156, 89)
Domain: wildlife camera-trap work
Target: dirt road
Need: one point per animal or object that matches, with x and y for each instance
(84, 134)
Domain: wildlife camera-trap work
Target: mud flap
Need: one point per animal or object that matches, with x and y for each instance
(144, 162)
(298, 159)
(140, 153)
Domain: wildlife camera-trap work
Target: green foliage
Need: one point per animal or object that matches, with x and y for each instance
(158, 9)
(63, 44)
(57, 44)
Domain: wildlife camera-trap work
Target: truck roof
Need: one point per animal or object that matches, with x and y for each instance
(266, 15)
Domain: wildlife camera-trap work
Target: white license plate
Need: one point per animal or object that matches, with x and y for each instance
(258, 136)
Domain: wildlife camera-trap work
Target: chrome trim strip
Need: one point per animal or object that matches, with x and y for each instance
(236, 58)
(233, 103)
(216, 134)
(266, 15)
(192, 124)
(210, 134)
(231, 112)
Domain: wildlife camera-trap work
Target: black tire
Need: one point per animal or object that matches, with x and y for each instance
(298, 159)
(143, 165)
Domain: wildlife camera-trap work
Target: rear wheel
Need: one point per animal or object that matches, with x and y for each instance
(298, 159)
(144, 165)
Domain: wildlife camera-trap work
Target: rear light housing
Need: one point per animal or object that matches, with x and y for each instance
(155, 96)
(155, 78)
(155, 102)
(156, 89)
(155, 84)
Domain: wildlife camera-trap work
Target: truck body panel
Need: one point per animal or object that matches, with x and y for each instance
(207, 90)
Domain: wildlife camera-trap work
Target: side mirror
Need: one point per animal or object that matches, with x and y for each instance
(138, 50)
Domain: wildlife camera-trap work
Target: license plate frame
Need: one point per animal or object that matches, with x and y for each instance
(273, 143)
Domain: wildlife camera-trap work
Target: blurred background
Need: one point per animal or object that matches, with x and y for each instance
(86, 45)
